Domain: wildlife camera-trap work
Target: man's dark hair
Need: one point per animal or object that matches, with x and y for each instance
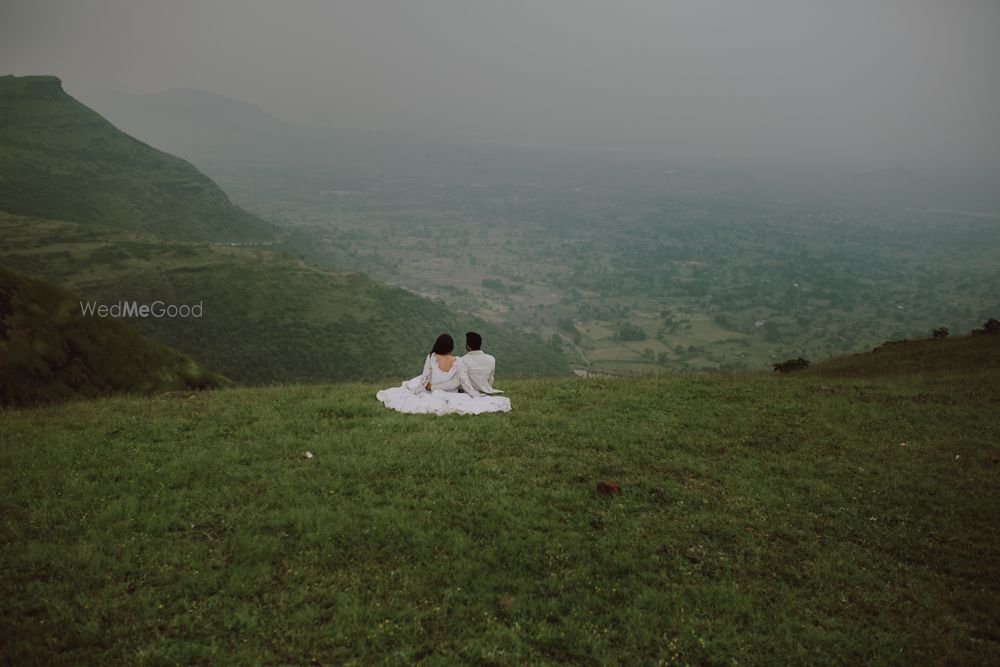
(443, 345)
(473, 340)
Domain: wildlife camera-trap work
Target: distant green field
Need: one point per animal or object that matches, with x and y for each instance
(844, 515)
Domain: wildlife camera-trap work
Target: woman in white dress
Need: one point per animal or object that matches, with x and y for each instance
(436, 390)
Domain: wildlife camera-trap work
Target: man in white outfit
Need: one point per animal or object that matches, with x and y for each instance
(479, 364)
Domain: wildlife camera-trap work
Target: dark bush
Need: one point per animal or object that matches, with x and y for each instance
(991, 328)
(630, 332)
(791, 365)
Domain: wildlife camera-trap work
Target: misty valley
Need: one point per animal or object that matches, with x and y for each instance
(638, 267)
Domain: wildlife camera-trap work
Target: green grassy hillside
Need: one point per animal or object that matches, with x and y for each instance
(61, 160)
(49, 350)
(939, 357)
(266, 317)
(762, 519)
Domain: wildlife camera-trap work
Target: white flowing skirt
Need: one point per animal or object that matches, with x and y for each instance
(439, 402)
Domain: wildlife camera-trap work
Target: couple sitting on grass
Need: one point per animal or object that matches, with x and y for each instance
(450, 384)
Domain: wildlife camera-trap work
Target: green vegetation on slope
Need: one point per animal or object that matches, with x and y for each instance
(61, 160)
(763, 519)
(50, 350)
(266, 317)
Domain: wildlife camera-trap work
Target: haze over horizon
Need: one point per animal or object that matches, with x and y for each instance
(887, 83)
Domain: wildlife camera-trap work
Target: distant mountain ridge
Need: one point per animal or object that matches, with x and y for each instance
(209, 128)
(61, 160)
(196, 122)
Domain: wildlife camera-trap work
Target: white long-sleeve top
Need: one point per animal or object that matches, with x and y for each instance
(450, 380)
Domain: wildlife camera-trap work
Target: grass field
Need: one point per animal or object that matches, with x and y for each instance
(845, 515)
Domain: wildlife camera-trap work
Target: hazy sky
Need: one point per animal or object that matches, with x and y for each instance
(872, 82)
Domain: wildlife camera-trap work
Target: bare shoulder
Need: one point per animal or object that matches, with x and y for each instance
(446, 361)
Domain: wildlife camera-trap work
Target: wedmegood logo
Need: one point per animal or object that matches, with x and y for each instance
(136, 309)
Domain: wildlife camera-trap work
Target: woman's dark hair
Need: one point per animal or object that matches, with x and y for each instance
(443, 345)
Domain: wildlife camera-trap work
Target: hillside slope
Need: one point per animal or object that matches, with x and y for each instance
(50, 350)
(762, 520)
(956, 355)
(267, 317)
(59, 159)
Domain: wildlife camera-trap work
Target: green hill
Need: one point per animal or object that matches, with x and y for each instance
(50, 350)
(956, 355)
(266, 317)
(61, 160)
(806, 519)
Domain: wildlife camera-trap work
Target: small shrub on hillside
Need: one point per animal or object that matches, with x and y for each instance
(941, 332)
